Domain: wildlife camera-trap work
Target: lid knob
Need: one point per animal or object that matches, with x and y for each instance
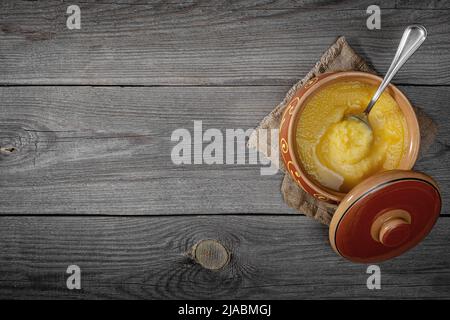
(392, 228)
(394, 232)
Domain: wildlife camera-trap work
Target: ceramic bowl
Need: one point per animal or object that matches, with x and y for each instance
(293, 112)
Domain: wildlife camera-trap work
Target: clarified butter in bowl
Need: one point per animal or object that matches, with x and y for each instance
(339, 152)
(328, 154)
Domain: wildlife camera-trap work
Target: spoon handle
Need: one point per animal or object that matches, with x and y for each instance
(413, 36)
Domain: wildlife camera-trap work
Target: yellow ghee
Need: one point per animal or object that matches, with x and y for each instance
(338, 152)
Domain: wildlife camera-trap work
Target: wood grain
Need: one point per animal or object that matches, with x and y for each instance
(223, 43)
(85, 150)
(414, 4)
(147, 257)
(277, 4)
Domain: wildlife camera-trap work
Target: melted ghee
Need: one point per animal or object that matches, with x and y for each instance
(339, 153)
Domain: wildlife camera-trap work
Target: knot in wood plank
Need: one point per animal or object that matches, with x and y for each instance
(20, 140)
(210, 254)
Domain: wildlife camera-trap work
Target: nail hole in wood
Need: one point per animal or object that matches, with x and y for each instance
(7, 149)
(210, 254)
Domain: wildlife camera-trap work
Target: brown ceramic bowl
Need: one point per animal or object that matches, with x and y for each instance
(293, 112)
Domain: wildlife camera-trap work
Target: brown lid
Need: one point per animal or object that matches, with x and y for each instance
(385, 215)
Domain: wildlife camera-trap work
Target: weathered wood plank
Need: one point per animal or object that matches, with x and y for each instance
(107, 151)
(281, 4)
(258, 4)
(429, 4)
(147, 257)
(84, 150)
(230, 43)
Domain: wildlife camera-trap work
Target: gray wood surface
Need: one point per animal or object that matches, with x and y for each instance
(84, 150)
(85, 171)
(230, 43)
(148, 257)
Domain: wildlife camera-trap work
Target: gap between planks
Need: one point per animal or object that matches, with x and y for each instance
(95, 215)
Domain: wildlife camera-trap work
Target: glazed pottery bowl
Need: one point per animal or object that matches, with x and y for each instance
(293, 112)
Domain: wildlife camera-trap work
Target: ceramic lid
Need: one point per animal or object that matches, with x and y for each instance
(385, 215)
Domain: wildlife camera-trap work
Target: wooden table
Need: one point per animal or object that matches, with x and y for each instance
(86, 176)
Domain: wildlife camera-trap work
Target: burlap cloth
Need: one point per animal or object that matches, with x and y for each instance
(339, 57)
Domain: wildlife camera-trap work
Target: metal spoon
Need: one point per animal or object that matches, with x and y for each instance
(413, 36)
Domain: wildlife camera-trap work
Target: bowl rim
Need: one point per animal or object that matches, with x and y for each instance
(406, 163)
